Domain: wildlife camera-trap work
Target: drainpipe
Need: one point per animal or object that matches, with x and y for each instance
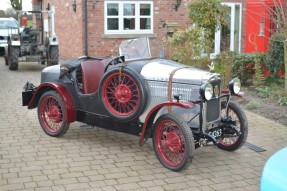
(86, 27)
(42, 23)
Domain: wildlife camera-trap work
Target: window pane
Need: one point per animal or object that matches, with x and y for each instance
(113, 9)
(145, 23)
(145, 9)
(225, 34)
(113, 24)
(236, 28)
(129, 9)
(129, 24)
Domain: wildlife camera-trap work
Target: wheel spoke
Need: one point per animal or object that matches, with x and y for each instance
(171, 144)
(230, 139)
(51, 114)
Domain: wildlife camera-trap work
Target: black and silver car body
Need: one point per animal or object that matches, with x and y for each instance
(179, 106)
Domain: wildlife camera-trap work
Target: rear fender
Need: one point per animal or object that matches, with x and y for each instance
(63, 92)
(147, 127)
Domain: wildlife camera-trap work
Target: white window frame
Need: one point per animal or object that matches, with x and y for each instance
(137, 17)
(217, 38)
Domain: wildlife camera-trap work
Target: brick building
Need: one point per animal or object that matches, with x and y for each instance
(96, 27)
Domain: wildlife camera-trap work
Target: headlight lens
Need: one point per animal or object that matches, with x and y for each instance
(234, 86)
(206, 91)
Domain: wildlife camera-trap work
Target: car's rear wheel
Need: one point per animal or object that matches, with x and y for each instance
(13, 56)
(52, 114)
(235, 121)
(53, 55)
(173, 142)
(6, 60)
(123, 94)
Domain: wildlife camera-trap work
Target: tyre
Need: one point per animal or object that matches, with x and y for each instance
(173, 142)
(13, 57)
(6, 60)
(53, 56)
(229, 140)
(123, 94)
(52, 114)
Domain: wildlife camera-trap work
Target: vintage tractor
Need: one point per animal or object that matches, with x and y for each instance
(34, 44)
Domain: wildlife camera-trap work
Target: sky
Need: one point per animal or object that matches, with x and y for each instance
(26, 4)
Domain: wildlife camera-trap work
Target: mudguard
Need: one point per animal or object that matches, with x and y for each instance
(63, 92)
(147, 127)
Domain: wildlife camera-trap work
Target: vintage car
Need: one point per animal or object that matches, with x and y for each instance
(179, 106)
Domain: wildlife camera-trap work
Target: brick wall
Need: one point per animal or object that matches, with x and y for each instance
(164, 11)
(70, 26)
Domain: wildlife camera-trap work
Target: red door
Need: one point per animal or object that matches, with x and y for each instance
(258, 25)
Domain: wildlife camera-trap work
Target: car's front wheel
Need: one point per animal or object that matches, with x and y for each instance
(235, 127)
(173, 142)
(52, 114)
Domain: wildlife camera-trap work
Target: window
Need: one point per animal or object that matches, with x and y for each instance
(128, 17)
(229, 37)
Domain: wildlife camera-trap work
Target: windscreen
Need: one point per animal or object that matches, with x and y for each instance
(5, 24)
(135, 48)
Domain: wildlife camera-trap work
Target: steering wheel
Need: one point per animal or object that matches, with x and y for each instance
(114, 61)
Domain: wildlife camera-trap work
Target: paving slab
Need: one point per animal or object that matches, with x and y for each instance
(99, 159)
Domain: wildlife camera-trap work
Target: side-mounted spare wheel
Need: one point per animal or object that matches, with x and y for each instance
(13, 56)
(52, 114)
(123, 93)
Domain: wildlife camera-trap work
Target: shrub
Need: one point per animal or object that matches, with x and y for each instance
(223, 66)
(263, 92)
(253, 105)
(233, 64)
(195, 42)
(243, 65)
(282, 101)
(275, 54)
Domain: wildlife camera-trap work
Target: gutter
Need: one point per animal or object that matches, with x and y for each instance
(86, 27)
(42, 23)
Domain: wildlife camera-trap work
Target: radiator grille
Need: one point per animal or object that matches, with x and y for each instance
(213, 110)
(189, 92)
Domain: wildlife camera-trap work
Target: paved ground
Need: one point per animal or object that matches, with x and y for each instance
(99, 159)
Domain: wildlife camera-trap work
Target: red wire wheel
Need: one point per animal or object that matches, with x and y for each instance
(229, 140)
(123, 94)
(51, 114)
(173, 142)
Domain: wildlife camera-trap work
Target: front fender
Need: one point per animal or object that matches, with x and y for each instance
(63, 92)
(147, 127)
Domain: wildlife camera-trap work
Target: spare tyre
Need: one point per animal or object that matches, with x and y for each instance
(123, 93)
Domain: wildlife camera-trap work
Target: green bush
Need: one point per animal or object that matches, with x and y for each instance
(196, 41)
(282, 101)
(253, 105)
(263, 92)
(275, 54)
(233, 64)
(223, 66)
(244, 65)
